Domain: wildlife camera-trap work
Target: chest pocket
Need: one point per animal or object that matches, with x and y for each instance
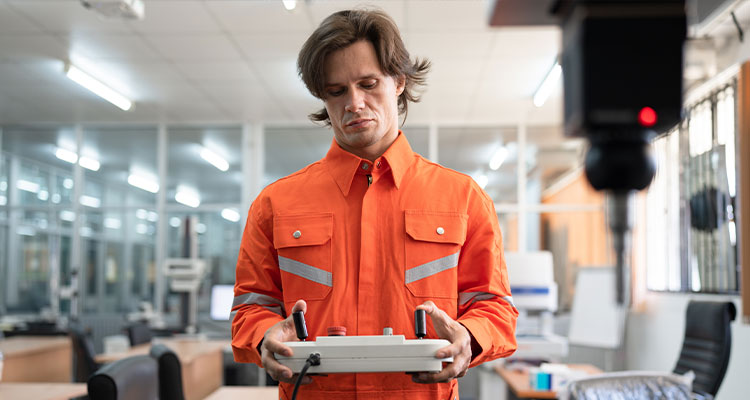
(433, 246)
(303, 244)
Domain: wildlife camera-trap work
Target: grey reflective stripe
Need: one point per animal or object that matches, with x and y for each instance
(464, 298)
(306, 271)
(431, 268)
(254, 298)
(276, 309)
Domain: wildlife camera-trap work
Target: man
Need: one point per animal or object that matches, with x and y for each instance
(371, 232)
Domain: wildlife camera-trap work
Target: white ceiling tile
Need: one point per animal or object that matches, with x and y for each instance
(449, 44)
(13, 22)
(271, 46)
(22, 73)
(31, 47)
(321, 9)
(111, 47)
(176, 17)
(259, 16)
(282, 80)
(454, 69)
(237, 72)
(446, 15)
(524, 43)
(194, 47)
(66, 16)
(141, 81)
(240, 92)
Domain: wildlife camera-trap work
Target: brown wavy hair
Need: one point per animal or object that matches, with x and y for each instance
(343, 28)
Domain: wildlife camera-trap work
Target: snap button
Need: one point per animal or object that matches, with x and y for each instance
(440, 230)
(378, 164)
(365, 166)
(297, 234)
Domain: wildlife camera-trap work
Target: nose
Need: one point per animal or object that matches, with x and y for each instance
(355, 101)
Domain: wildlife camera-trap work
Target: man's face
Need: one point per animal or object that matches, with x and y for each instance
(362, 102)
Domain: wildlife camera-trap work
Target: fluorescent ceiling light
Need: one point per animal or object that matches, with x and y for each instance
(66, 155)
(67, 215)
(482, 180)
(141, 229)
(230, 214)
(86, 231)
(498, 158)
(548, 84)
(175, 222)
(43, 195)
(90, 201)
(200, 228)
(3, 200)
(26, 231)
(187, 197)
(27, 186)
(56, 198)
(68, 183)
(141, 213)
(289, 4)
(98, 88)
(89, 163)
(215, 159)
(152, 216)
(112, 223)
(143, 183)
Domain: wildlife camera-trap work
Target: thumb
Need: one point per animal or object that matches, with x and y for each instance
(300, 305)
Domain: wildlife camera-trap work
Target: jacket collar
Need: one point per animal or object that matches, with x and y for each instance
(343, 165)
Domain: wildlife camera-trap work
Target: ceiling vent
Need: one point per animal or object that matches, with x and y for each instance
(120, 9)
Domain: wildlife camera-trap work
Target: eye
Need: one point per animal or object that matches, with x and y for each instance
(369, 84)
(335, 92)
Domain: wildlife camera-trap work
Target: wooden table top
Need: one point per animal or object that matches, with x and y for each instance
(245, 393)
(186, 349)
(518, 381)
(22, 345)
(41, 391)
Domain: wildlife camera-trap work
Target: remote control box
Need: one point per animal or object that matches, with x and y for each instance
(347, 354)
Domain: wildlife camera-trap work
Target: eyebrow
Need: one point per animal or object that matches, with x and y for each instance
(361, 78)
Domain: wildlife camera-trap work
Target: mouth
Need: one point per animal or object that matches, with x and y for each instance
(358, 123)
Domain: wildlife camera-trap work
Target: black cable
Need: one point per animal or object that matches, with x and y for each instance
(314, 359)
(739, 28)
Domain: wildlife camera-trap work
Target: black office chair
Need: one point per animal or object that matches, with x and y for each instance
(707, 344)
(131, 378)
(139, 333)
(83, 354)
(170, 372)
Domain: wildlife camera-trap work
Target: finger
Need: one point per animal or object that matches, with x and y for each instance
(451, 350)
(446, 375)
(274, 368)
(428, 306)
(300, 305)
(277, 347)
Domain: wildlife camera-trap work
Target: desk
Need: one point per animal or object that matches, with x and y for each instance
(41, 391)
(201, 360)
(37, 359)
(245, 393)
(518, 381)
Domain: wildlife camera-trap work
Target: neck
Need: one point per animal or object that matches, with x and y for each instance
(373, 151)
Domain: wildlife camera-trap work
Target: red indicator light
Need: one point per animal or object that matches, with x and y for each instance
(647, 116)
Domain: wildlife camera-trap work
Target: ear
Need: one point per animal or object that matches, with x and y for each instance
(400, 84)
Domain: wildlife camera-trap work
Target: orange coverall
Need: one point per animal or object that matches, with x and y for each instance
(364, 255)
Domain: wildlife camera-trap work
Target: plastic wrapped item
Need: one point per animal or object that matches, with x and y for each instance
(630, 385)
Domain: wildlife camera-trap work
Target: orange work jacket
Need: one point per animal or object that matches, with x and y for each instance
(364, 243)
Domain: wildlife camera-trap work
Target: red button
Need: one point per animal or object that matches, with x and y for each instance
(336, 331)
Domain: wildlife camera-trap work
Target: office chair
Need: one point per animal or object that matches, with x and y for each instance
(83, 354)
(170, 372)
(131, 378)
(139, 333)
(707, 344)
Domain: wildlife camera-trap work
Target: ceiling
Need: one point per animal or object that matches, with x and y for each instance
(234, 60)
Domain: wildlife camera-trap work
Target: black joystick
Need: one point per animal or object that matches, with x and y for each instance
(420, 323)
(299, 325)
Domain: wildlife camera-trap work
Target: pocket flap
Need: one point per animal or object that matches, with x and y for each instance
(302, 230)
(436, 226)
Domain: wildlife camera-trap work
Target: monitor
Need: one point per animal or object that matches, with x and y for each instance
(221, 301)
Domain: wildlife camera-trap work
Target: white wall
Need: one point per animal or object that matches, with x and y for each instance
(654, 337)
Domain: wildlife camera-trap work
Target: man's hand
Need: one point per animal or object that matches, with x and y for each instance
(460, 348)
(282, 331)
